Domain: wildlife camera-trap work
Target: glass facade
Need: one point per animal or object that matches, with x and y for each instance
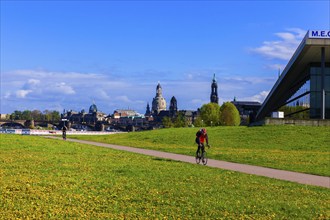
(316, 92)
(301, 97)
(297, 107)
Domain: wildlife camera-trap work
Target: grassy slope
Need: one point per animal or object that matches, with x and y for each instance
(301, 149)
(42, 178)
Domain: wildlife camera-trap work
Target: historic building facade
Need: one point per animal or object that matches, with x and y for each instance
(81, 119)
(159, 111)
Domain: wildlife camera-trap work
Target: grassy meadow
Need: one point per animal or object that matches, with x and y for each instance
(53, 179)
(295, 148)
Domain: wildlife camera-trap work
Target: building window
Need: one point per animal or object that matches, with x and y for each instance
(316, 92)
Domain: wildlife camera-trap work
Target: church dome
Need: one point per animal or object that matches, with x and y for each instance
(158, 103)
(92, 109)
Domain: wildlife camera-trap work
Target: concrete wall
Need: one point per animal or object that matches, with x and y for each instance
(283, 121)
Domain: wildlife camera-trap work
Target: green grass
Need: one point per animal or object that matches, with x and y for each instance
(294, 148)
(52, 179)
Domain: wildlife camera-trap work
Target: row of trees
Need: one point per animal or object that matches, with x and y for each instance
(211, 114)
(47, 115)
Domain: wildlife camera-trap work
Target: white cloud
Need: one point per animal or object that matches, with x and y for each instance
(22, 93)
(40, 89)
(283, 48)
(300, 33)
(190, 76)
(31, 84)
(276, 66)
(7, 95)
(260, 97)
(103, 94)
(239, 80)
(62, 88)
(196, 101)
(33, 81)
(123, 98)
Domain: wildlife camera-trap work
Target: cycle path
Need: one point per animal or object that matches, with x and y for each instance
(302, 178)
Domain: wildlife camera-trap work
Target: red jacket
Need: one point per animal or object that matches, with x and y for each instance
(201, 137)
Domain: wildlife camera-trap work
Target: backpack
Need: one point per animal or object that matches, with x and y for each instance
(198, 134)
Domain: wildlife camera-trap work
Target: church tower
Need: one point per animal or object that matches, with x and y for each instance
(173, 107)
(214, 91)
(148, 113)
(158, 103)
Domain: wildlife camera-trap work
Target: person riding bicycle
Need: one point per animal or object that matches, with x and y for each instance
(201, 137)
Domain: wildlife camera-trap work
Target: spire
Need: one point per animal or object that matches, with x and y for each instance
(148, 110)
(214, 91)
(159, 90)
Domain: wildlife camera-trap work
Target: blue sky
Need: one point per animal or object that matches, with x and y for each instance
(59, 55)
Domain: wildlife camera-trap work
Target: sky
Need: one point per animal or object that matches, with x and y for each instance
(67, 55)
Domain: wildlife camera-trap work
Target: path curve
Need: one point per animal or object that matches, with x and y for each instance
(302, 178)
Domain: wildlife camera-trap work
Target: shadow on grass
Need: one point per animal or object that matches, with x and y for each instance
(166, 160)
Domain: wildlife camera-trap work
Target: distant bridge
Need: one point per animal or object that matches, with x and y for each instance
(26, 124)
(23, 123)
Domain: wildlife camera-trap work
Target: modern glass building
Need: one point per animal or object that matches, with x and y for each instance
(305, 81)
(320, 92)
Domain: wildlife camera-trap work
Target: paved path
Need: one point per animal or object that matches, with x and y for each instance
(243, 168)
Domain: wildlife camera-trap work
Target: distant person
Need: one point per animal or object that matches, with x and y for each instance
(201, 137)
(64, 128)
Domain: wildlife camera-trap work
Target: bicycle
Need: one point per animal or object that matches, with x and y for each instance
(201, 155)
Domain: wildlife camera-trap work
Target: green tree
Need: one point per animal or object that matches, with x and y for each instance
(55, 116)
(209, 114)
(37, 115)
(167, 122)
(198, 122)
(47, 115)
(26, 115)
(16, 115)
(180, 121)
(229, 115)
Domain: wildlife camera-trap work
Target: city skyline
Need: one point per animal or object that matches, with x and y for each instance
(67, 55)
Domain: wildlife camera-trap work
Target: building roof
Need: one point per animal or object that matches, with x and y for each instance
(246, 103)
(127, 113)
(296, 71)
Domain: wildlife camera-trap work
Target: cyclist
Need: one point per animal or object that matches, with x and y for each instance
(201, 137)
(64, 128)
